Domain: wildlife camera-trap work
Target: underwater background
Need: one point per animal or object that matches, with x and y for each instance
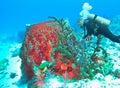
(15, 14)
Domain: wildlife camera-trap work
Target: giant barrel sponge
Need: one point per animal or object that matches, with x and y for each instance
(50, 45)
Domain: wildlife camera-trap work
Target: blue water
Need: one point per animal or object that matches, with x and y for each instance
(14, 14)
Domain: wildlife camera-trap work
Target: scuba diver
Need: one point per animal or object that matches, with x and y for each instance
(95, 25)
(95, 28)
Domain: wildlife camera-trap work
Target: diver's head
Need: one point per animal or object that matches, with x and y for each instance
(81, 22)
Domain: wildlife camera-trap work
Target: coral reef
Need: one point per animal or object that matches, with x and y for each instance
(53, 46)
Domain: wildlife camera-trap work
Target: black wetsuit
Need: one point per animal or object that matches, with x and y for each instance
(97, 29)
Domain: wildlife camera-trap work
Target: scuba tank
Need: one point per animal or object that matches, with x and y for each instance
(99, 20)
(86, 15)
